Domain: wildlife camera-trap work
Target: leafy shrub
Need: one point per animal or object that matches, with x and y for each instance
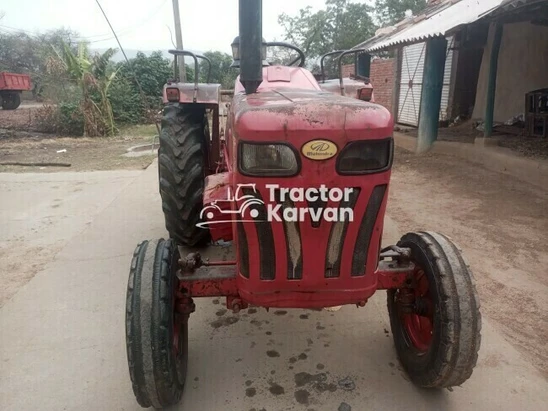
(127, 105)
(71, 119)
(64, 119)
(46, 119)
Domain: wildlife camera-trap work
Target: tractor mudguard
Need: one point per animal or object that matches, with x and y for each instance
(209, 94)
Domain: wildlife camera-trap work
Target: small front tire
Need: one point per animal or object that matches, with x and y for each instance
(437, 340)
(156, 337)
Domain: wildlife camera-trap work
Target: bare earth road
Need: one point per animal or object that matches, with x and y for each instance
(62, 330)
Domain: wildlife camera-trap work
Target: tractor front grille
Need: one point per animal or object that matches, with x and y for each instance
(293, 236)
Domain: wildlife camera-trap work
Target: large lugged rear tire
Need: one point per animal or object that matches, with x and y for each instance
(437, 341)
(156, 337)
(11, 100)
(182, 168)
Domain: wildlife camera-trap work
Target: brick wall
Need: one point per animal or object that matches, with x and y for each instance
(348, 70)
(382, 78)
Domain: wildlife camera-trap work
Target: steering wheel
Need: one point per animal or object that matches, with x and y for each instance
(300, 58)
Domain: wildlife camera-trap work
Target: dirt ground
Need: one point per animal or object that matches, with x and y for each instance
(20, 119)
(83, 154)
(501, 225)
(532, 147)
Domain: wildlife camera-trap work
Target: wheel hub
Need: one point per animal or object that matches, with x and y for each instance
(416, 312)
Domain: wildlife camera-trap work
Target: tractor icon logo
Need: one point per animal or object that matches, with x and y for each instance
(248, 204)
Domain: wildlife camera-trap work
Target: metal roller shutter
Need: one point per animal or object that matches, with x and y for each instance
(412, 69)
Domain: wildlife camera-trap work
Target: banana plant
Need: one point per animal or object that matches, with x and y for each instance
(91, 75)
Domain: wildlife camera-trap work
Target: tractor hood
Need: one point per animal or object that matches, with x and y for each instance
(307, 113)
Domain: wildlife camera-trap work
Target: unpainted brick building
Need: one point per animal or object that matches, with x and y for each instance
(382, 79)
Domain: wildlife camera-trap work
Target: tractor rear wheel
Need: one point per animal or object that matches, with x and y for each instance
(11, 100)
(156, 336)
(182, 168)
(436, 324)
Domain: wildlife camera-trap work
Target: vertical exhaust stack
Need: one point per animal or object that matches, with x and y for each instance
(251, 38)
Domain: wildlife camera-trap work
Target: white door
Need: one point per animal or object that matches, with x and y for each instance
(412, 69)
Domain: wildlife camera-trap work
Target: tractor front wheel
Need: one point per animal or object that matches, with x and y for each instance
(156, 336)
(436, 323)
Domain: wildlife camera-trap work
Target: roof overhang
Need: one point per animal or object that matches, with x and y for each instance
(441, 20)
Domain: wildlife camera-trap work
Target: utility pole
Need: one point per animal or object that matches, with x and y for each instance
(179, 41)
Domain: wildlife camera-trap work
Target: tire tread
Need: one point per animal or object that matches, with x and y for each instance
(460, 318)
(182, 163)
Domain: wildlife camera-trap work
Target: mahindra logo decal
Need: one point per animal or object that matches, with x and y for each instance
(319, 149)
(319, 146)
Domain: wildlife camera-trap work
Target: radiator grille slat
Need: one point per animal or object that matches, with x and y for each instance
(293, 243)
(335, 245)
(267, 251)
(243, 251)
(316, 205)
(361, 248)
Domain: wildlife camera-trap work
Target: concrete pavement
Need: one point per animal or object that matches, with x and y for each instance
(41, 212)
(62, 342)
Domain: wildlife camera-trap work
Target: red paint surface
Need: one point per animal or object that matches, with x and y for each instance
(215, 192)
(296, 112)
(420, 328)
(15, 82)
(278, 77)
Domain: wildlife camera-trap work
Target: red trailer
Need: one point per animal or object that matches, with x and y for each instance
(11, 86)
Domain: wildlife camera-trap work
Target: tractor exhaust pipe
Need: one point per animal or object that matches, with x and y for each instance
(251, 39)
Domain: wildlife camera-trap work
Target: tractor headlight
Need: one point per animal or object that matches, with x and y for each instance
(365, 157)
(267, 159)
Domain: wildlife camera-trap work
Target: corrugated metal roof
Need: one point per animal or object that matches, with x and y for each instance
(438, 21)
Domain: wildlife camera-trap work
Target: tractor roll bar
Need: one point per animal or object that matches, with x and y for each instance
(196, 67)
(301, 56)
(331, 53)
(344, 53)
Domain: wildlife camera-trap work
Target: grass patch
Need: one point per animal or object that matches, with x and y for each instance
(140, 130)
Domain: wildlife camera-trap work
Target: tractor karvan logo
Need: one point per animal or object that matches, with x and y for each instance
(250, 208)
(319, 150)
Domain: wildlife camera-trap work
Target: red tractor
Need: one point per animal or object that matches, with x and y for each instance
(314, 168)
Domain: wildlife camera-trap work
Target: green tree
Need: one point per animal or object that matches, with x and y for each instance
(341, 25)
(221, 72)
(152, 72)
(129, 103)
(390, 12)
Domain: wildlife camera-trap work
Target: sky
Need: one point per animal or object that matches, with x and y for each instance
(143, 24)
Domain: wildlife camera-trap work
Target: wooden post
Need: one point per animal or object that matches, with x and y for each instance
(492, 81)
(432, 84)
(396, 84)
